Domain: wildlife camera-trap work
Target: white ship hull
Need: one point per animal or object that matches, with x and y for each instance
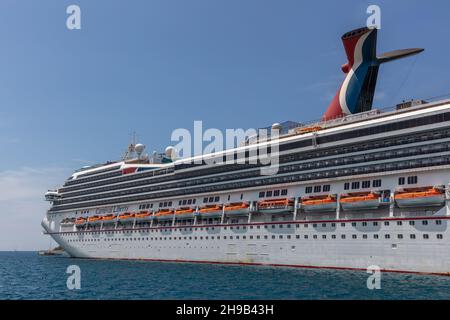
(405, 255)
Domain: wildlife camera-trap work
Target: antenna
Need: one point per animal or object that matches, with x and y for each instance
(130, 152)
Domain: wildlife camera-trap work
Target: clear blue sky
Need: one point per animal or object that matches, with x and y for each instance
(72, 97)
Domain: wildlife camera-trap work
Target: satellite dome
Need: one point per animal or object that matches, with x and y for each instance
(139, 148)
(170, 152)
(276, 126)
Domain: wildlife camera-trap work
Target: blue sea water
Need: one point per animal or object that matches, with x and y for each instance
(26, 275)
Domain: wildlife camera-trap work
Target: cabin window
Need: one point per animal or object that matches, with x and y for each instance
(261, 194)
(376, 183)
(425, 223)
(439, 236)
(412, 236)
(308, 190)
(284, 192)
(425, 236)
(412, 180)
(366, 184)
(326, 188)
(387, 236)
(211, 199)
(401, 181)
(189, 201)
(268, 193)
(216, 199)
(317, 188)
(400, 236)
(346, 186)
(205, 200)
(411, 223)
(276, 193)
(439, 222)
(375, 236)
(355, 185)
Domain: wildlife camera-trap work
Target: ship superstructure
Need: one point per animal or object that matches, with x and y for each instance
(359, 188)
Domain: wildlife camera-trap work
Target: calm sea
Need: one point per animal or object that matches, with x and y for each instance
(26, 275)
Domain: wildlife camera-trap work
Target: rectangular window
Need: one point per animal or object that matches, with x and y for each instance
(216, 199)
(326, 188)
(268, 193)
(366, 184)
(355, 185)
(412, 180)
(276, 193)
(205, 200)
(317, 188)
(347, 186)
(308, 190)
(284, 192)
(262, 194)
(376, 183)
(211, 199)
(401, 181)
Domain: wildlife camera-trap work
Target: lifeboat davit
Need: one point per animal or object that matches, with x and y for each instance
(276, 206)
(420, 197)
(211, 212)
(94, 220)
(360, 201)
(109, 218)
(184, 213)
(237, 209)
(319, 203)
(143, 216)
(165, 214)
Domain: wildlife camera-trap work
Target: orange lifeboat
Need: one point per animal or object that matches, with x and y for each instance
(360, 201)
(419, 197)
(276, 206)
(165, 214)
(143, 215)
(109, 218)
(319, 203)
(80, 221)
(94, 219)
(308, 129)
(213, 211)
(184, 213)
(126, 215)
(237, 209)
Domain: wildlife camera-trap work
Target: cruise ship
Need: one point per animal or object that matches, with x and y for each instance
(361, 187)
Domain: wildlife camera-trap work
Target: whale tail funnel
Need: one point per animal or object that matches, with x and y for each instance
(357, 91)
